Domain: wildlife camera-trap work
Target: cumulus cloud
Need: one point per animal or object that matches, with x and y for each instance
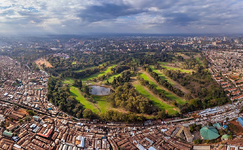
(120, 16)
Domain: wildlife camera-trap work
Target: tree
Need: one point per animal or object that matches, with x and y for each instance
(2, 124)
(197, 141)
(230, 137)
(86, 90)
(31, 112)
(87, 113)
(162, 114)
(27, 118)
(78, 83)
(20, 121)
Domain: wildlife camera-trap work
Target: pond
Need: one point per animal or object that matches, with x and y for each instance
(99, 90)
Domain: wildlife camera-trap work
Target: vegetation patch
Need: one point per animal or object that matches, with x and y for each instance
(167, 94)
(68, 81)
(171, 110)
(164, 65)
(79, 97)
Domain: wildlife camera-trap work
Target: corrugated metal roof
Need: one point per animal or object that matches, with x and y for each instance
(209, 133)
(240, 120)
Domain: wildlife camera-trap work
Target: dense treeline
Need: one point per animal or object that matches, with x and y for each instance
(128, 98)
(79, 61)
(202, 86)
(82, 74)
(60, 96)
(163, 82)
(119, 69)
(191, 63)
(143, 59)
(116, 70)
(122, 79)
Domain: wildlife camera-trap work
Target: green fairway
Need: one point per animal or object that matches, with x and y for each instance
(102, 103)
(175, 68)
(161, 75)
(163, 63)
(84, 69)
(111, 78)
(68, 81)
(199, 61)
(167, 94)
(88, 68)
(76, 92)
(99, 73)
(166, 66)
(108, 70)
(156, 101)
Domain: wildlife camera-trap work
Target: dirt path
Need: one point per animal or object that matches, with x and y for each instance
(179, 86)
(152, 79)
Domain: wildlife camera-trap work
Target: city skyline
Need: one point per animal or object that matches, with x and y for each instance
(120, 16)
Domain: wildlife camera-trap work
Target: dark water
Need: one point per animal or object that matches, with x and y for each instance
(99, 90)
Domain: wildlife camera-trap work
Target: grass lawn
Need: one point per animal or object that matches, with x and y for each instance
(175, 68)
(108, 70)
(99, 73)
(199, 61)
(102, 103)
(111, 78)
(165, 65)
(89, 68)
(68, 81)
(161, 75)
(156, 101)
(84, 69)
(167, 94)
(74, 63)
(76, 92)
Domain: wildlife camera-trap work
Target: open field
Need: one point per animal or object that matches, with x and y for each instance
(170, 109)
(79, 97)
(42, 61)
(168, 94)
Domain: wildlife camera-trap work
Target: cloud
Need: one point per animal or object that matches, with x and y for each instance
(120, 16)
(107, 11)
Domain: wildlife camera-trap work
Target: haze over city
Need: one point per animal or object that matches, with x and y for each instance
(120, 16)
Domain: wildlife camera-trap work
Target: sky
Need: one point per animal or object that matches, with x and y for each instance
(120, 16)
